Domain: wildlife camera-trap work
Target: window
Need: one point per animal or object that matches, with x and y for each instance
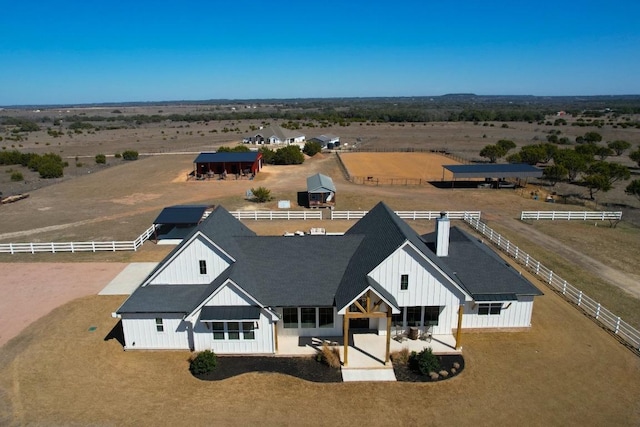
(397, 320)
(414, 316)
(325, 317)
(218, 330)
(308, 317)
(431, 315)
(203, 266)
(491, 308)
(404, 282)
(233, 329)
(159, 325)
(290, 317)
(248, 332)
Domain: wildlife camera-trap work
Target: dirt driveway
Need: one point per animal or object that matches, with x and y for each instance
(30, 291)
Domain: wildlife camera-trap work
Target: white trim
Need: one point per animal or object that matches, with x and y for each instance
(394, 310)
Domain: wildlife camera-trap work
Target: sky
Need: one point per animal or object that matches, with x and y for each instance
(74, 52)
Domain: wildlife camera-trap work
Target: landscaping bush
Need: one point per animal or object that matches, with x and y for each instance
(401, 357)
(311, 148)
(130, 155)
(425, 361)
(101, 159)
(118, 155)
(329, 356)
(17, 176)
(203, 362)
(261, 194)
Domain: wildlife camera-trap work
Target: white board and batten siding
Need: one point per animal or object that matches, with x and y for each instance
(141, 332)
(424, 289)
(230, 295)
(514, 314)
(185, 268)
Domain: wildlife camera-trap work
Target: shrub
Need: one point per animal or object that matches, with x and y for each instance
(50, 169)
(329, 356)
(401, 357)
(425, 361)
(203, 362)
(311, 148)
(101, 159)
(79, 164)
(261, 194)
(130, 155)
(17, 176)
(117, 155)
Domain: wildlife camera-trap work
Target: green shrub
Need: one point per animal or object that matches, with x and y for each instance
(311, 148)
(17, 176)
(425, 361)
(118, 155)
(261, 194)
(101, 159)
(130, 155)
(203, 362)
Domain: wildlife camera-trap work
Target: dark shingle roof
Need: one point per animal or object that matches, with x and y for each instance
(248, 157)
(164, 299)
(505, 170)
(181, 214)
(483, 273)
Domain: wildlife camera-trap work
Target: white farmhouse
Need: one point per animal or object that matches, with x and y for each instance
(228, 290)
(274, 135)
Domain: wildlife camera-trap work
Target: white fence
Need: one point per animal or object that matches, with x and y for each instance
(571, 215)
(628, 334)
(256, 215)
(16, 248)
(430, 215)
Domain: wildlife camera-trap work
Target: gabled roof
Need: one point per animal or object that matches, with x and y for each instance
(271, 131)
(320, 183)
(246, 157)
(181, 214)
(164, 299)
(484, 274)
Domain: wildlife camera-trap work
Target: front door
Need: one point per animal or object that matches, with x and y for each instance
(358, 324)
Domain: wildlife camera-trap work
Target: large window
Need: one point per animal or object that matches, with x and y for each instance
(414, 316)
(431, 315)
(404, 282)
(490, 308)
(203, 266)
(308, 317)
(159, 325)
(248, 332)
(325, 317)
(233, 330)
(290, 317)
(218, 330)
(397, 320)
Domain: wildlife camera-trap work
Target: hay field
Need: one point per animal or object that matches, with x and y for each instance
(422, 166)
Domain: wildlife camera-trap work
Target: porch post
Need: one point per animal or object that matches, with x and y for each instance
(388, 353)
(275, 334)
(345, 329)
(459, 330)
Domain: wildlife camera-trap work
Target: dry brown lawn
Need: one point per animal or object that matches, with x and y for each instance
(564, 371)
(424, 166)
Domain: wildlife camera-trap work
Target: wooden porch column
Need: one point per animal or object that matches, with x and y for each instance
(275, 334)
(387, 356)
(459, 330)
(345, 330)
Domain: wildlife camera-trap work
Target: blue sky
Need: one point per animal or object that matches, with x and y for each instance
(84, 52)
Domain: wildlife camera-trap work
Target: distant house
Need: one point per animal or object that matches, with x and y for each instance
(274, 135)
(227, 163)
(228, 290)
(327, 140)
(321, 191)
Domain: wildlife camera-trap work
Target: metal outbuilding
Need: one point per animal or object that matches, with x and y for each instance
(492, 171)
(321, 191)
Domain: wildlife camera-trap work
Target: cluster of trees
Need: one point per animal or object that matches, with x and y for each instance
(21, 124)
(48, 165)
(289, 155)
(311, 148)
(495, 151)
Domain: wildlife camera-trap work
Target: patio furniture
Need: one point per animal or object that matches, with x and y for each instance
(427, 334)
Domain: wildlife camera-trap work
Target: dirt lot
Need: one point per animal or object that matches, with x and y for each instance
(421, 166)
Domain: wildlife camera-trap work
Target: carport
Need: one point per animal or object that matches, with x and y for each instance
(491, 171)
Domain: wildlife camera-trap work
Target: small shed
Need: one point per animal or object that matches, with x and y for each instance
(176, 222)
(227, 163)
(321, 191)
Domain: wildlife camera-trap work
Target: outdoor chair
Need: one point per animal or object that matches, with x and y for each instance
(427, 334)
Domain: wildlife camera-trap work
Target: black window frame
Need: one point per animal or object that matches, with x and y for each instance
(289, 314)
(203, 266)
(404, 282)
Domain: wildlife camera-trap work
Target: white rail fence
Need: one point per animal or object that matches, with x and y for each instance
(271, 215)
(628, 334)
(430, 215)
(571, 215)
(16, 248)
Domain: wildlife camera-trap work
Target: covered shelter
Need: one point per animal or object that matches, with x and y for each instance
(246, 164)
(174, 223)
(321, 191)
(490, 171)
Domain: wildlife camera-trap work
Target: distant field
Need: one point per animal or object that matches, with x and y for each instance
(418, 166)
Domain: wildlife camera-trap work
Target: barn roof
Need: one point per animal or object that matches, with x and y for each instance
(319, 183)
(181, 214)
(248, 157)
(492, 170)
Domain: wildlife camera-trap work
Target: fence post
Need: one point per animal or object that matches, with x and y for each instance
(550, 276)
(113, 245)
(580, 299)
(564, 287)
(538, 268)
(617, 325)
(526, 262)
(598, 311)
(11, 248)
(53, 248)
(31, 244)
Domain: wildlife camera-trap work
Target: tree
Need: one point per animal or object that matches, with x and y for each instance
(289, 155)
(604, 152)
(101, 159)
(311, 148)
(492, 152)
(601, 176)
(592, 137)
(261, 194)
(506, 144)
(573, 161)
(530, 154)
(130, 155)
(268, 155)
(635, 156)
(555, 173)
(619, 146)
(633, 189)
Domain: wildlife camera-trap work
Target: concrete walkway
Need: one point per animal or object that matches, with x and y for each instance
(381, 374)
(128, 279)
